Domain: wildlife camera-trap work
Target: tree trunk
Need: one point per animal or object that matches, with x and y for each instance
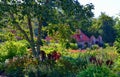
(39, 36)
(32, 42)
(33, 49)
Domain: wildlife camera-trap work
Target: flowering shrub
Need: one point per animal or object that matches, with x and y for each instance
(50, 56)
(99, 62)
(55, 55)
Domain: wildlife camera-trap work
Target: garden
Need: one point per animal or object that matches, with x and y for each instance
(36, 40)
(18, 61)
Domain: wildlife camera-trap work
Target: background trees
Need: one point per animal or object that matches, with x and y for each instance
(107, 26)
(104, 25)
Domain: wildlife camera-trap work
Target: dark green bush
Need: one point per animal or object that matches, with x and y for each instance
(67, 45)
(73, 40)
(1, 67)
(96, 71)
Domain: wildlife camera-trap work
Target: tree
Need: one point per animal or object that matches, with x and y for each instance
(94, 29)
(76, 16)
(25, 13)
(104, 25)
(107, 24)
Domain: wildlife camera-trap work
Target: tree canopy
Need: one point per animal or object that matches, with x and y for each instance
(23, 14)
(104, 25)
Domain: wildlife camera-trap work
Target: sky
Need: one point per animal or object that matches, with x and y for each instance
(110, 7)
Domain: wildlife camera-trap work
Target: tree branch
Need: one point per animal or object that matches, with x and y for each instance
(19, 28)
(23, 32)
(30, 29)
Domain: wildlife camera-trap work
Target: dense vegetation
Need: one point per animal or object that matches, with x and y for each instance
(24, 52)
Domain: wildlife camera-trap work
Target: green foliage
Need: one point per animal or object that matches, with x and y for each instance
(117, 42)
(6, 36)
(12, 48)
(14, 71)
(69, 65)
(116, 67)
(61, 34)
(73, 64)
(2, 67)
(20, 66)
(95, 28)
(117, 45)
(104, 25)
(55, 13)
(107, 24)
(94, 47)
(73, 46)
(96, 71)
(2, 37)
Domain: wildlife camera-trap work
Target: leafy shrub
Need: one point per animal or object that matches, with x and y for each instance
(19, 66)
(12, 48)
(73, 46)
(117, 45)
(67, 45)
(1, 68)
(8, 50)
(96, 71)
(116, 67)
(73, 40)
(69, 66)
(94, 47)
(6, 36)
(2, 37)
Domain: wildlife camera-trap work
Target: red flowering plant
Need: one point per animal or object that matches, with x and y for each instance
(55, 56)
(109, 62)
(96, 61)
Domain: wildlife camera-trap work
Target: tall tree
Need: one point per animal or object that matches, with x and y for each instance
(94, 29)
(22, 13)
(77, 14)
(107, 24)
